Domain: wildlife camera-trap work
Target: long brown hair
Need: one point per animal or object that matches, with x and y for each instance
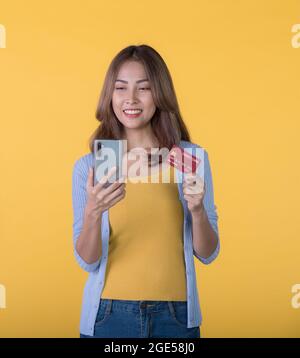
(167, 123)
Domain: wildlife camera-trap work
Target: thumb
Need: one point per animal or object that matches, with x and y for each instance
(90, 179)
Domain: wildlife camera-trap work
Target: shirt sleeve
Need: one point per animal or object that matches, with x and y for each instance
(79, 198)
(210, 209)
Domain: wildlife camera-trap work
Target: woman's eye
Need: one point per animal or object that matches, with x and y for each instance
(142, 88)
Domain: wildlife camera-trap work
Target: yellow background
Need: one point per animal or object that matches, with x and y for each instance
(236, 75)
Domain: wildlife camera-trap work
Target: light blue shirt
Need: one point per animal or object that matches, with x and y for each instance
(95, 282)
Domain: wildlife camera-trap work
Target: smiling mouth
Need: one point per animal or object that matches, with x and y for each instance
(133, 114)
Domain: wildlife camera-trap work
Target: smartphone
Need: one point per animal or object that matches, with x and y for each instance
(108, 153)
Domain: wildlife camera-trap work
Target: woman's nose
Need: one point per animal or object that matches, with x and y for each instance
(132, 96)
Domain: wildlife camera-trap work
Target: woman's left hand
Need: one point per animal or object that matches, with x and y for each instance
(194, 190)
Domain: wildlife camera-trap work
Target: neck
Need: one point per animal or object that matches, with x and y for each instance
(140, 138)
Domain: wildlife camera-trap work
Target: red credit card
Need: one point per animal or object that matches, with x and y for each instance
(182, 160)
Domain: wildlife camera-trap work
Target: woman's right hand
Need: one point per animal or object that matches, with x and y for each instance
(100, 198)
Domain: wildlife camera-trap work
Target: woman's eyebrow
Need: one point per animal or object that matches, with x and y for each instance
(144, 80)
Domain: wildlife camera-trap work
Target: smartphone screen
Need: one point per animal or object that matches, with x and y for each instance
(108, 153)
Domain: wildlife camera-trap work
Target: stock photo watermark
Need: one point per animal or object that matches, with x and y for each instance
(2, 36)
(2, 297)
(295, 41)
(295, 301)
(109, 154)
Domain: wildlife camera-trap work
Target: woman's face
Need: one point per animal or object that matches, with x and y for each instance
(132, 91)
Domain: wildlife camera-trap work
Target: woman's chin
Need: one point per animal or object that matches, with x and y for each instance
(134, 123)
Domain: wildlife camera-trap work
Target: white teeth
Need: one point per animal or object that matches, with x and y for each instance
(132, 111)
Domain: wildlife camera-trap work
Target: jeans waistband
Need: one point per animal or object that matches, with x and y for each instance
(136, 306)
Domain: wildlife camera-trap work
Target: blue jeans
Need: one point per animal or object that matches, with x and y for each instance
(142, 319)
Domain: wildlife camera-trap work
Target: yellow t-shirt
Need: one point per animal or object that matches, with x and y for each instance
(146, 255)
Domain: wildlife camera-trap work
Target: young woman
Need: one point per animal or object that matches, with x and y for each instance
(139, 245)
